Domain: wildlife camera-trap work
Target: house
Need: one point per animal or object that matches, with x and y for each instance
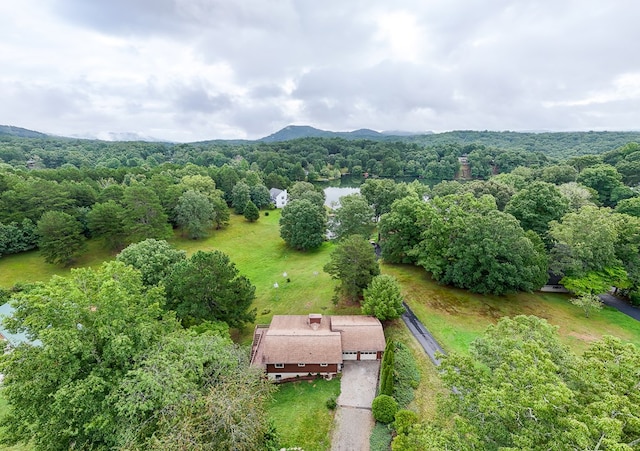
(279, 197)
(300, 345)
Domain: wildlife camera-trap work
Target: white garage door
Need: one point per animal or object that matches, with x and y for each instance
(349, 355)
(368, 355)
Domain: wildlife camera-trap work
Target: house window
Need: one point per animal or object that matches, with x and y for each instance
(278, 377)
(301, 364)
(279, 365)
(324, 364)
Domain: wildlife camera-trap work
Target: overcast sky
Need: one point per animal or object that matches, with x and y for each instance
(187, 70)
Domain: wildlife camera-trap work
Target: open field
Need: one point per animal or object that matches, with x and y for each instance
(455, 317)
(300, 413)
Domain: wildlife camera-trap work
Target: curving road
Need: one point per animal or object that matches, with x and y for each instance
(424, 337)
(621, 306)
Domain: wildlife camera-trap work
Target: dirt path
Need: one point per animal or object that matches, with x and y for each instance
(354, 420)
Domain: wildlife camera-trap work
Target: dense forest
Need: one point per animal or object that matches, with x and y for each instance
(496, 219)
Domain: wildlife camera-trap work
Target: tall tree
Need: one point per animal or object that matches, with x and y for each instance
(353, 262)
(199, 392)
(381, 193)
(603, 178)
(536, 206)
(153, 258)
(383, 299)
(353, 217)
(400, 229)
(468, 243)
(240, 195)
(60, 237)
(260, 195)
(251, 212)
(578, 195)
(521, 389)
(144, 217)
(106, 221)
(208, 287)
(194, 214)
(306, 191)
(303, 224)
(91, 327)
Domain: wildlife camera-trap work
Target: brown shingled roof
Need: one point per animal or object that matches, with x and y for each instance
(295, 339)
(359, 333)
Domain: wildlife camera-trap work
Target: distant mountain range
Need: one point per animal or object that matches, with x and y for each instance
(20, 132)
(288, 133)
(305, 131)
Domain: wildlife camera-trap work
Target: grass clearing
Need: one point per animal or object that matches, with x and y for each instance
(301, 416)
(456, 317)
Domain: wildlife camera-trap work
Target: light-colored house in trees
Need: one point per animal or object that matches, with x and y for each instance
(300, 345)
(279, 197)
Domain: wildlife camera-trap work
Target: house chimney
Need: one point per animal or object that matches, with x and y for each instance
(314, 320)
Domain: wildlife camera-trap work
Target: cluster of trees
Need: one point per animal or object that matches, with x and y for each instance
(57, 210)
(113, 367)
(504, 234)
(354, 264)
(520, 388)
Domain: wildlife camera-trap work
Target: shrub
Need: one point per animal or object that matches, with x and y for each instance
(406, 375)
(404, 420)
(384, 408)
(331, 403)
(380, 439)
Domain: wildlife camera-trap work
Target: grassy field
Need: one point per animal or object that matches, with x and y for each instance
(455, 317)
(301, 416)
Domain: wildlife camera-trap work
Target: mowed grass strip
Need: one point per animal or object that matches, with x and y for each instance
(300, 413)
(456, 317)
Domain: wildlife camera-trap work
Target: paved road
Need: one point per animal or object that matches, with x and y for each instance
(421, 333)
(627, 309)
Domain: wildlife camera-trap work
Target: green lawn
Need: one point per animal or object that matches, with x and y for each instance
(258, 252)
(301, 416)
(456, 317)
(31, 267)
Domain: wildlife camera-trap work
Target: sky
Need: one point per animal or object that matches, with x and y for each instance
(190, 70)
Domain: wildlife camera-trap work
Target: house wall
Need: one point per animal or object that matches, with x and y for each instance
(308, 368)
(281, 199)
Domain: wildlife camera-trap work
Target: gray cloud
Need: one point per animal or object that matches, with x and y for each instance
(201, 69)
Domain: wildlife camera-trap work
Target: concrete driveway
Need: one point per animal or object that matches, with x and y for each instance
(354, 420)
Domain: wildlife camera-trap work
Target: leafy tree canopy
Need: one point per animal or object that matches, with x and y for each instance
(353, 217)
(153, 258)
(60, 237)
(303, 224)
(383, 299)
(208, 287)
(353, 262)
(520, 389)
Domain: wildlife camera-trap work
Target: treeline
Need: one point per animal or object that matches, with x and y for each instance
(505, 234)
(57, 210)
